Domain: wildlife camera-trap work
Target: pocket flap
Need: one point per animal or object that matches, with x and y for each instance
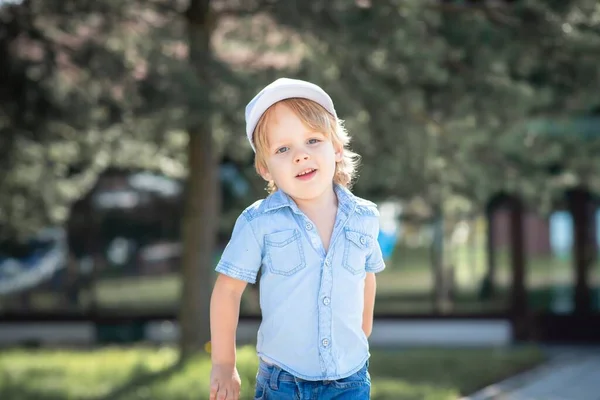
(282, 238)
(362, 240)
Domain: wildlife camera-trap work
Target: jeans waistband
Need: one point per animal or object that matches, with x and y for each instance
(275, 374)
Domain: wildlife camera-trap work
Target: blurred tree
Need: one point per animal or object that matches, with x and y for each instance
(92, 85)
(201, 200)
(82, 90)
(433, 88)
(438, 95)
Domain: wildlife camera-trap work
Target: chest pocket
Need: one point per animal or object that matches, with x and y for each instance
(284, 255)
(357, 247)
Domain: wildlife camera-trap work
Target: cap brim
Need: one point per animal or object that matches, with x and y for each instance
(283, 92)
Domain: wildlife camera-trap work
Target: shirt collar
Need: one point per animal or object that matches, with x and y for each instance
(279, 199)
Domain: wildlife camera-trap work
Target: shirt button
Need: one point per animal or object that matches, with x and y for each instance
(325, 342)
(363, 240)
(327, 262)
(309, 226)
(326, 301)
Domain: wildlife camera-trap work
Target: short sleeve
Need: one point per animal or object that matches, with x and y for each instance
(242, 256)
(375, 261)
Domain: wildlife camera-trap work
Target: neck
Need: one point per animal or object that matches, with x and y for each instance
(327, 200)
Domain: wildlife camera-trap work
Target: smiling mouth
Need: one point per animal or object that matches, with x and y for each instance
(306, 172)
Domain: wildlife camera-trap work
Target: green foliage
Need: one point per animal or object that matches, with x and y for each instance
(87, 89)
(437, 95)
(430, 90)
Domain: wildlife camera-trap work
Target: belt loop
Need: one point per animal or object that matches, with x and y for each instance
(274, 381)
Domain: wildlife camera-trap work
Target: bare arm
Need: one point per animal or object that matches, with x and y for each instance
(370, 289)
(224, 315)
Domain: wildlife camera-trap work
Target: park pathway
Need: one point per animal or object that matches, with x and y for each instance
(570, 374)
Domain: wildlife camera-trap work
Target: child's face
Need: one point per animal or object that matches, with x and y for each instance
(301, 162)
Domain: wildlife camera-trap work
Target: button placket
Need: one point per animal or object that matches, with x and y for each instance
(313, 236)
(325, 315)
(328, 363)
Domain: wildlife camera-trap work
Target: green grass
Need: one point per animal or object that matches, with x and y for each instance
(145, 373)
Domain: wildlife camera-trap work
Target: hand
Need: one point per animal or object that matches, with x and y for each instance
(225, 383)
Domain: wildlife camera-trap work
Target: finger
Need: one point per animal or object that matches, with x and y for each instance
(232, 394)
(214, 389)
(222, 395)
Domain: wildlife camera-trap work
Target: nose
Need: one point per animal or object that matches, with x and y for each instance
(301, 156)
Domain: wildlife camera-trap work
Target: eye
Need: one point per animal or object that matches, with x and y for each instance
(281, 150)
(313, 141)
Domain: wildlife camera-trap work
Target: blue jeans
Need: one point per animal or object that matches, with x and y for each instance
(273, 383)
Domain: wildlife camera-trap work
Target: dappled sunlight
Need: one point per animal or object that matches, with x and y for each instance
(140, 372)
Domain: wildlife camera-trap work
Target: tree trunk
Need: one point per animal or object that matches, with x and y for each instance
(519, 294)
(200, 215)
(580, 210)
(488, 286)
(442, 270)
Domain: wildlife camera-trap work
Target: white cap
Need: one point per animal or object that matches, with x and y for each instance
(281, 89)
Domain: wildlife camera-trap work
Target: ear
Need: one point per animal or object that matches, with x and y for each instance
(339, 152)
(264, 173)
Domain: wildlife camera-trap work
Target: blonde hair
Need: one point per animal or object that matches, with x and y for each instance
(315, 117)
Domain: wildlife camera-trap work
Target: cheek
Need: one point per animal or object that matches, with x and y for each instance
(277, 165)
(328, 153)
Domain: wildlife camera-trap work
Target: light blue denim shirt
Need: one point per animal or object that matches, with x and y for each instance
(311, 300)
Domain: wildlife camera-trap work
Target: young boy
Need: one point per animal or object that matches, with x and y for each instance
(316, 245)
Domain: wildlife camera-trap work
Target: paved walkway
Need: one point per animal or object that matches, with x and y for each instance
(569, 375)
